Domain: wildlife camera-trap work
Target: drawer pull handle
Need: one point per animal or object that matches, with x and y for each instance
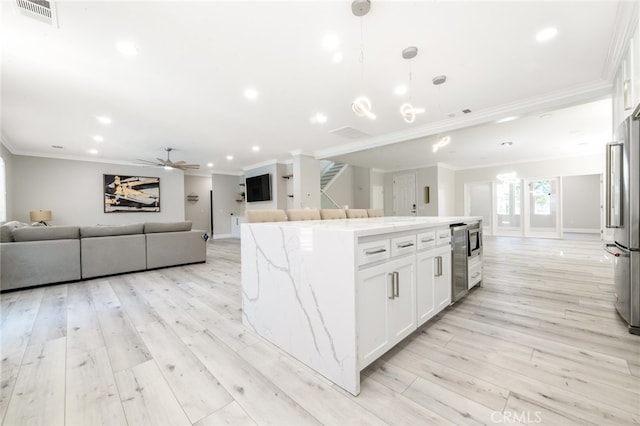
(438, 260)
(396, 280)
(443, 236)
(428, 240)
(405, 245)
(375, 251)
(392, 294)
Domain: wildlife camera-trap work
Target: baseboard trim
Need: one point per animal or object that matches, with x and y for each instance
(222, 236)
(581, 230)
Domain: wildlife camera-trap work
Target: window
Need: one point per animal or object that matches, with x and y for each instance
(541, 196)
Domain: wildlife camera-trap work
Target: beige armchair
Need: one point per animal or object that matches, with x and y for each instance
(303, 214)
(357, 214)
(327, 214)
(375, 212)
(256, 216)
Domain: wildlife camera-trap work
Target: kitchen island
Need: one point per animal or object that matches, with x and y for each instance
(338, 294)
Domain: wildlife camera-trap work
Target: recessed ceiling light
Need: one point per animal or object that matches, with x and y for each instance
(93, 151)
(251, 93)
(337, 58)
(255, 148)
(330, 42)
(98, 138)
(103, 119)
(229, 157)
(546, 34)
(126, 48)
(506, 119)
(506, 143)
(319, 118)
(209, 165)
(400, 90)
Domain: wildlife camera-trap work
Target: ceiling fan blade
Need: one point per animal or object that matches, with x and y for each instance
(188, 166)
(164, 162)
(154, 163)
(179, 162)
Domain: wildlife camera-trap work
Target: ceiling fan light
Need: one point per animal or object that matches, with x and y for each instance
(168, 168)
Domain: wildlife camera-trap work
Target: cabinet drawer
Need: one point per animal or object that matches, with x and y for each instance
(403, 245)
(475, 272)
(426, 240)
(443, 236)
(373, 251)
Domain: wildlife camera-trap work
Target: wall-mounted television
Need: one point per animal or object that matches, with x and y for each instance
(258, 188)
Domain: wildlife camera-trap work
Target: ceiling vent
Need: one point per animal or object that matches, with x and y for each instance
(349, 132)
(42, 10)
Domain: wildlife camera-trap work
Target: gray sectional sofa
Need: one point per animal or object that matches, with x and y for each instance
(51, 254)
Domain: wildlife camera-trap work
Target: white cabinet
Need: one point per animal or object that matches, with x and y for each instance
(386, 307)
(433, 282)
(475, 271)
(236, 221)
(626, 84)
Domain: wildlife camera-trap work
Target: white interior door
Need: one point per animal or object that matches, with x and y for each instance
(542, 208)
(507, 217)
(404, 195)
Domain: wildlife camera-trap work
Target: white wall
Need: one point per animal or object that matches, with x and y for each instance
(584, 165)
(446, 191)
(361, 188)
(7, 156)
(305, 182)
(581, 203)
(225, 191)
(74, 191)
(198, 212)
(426, 176)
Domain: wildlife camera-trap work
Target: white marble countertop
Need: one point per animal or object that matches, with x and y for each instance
(374, 225)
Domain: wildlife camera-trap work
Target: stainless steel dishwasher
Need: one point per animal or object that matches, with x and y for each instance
(459, 258)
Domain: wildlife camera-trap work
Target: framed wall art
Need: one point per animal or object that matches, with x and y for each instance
(131, 194)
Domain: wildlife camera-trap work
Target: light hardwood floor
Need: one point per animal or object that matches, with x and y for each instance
(539, 343)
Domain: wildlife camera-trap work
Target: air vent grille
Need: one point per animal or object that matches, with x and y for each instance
(349, 132)
(42, 10)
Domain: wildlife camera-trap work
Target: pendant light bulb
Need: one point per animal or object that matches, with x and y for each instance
(362, 107)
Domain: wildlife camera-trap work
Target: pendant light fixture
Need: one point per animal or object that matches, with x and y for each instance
(407, 110)
(361, 106)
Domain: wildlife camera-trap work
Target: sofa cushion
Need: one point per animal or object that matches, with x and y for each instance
(156, 227)
(111, 230)
(6, 230)
(40, 233)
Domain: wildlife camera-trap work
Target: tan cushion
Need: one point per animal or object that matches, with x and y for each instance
(255, 216)
(111, 230)
(332, 214)
(155, 227)
(303, 214)
(375, 212)
(40, 233)
(357, 213)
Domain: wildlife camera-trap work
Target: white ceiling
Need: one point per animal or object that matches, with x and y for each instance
(185, 87)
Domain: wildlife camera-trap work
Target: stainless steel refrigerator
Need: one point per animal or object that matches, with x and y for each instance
(623, 214)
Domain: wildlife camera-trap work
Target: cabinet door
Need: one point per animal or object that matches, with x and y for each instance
(402, 307)
(374, 290)
(425, 277)
(442, 281)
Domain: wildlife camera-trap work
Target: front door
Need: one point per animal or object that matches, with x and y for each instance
(404, 195)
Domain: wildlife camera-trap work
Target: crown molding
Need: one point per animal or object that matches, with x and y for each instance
(271, 162)
(222, 172)
(562, 98)
(625, 24)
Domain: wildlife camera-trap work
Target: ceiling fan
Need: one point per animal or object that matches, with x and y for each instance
(168, 164)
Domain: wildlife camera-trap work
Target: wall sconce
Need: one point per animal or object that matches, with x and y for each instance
(40, 216)
(426, 195)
